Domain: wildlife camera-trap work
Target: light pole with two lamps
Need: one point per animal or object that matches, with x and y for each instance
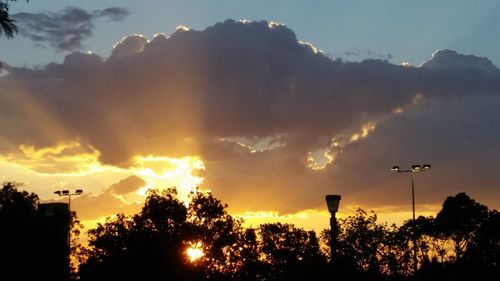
(414, 169)
(333, 202)
(67, 193)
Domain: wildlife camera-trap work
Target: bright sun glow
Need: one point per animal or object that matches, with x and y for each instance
(165, 172)
(194, 252)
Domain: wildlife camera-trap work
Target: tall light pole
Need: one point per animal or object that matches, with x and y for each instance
(67, 193)
(333, 202)
(414, 169)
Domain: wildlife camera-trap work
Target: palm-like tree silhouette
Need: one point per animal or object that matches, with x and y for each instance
(7, 24)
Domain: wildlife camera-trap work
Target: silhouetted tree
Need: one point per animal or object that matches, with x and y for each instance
(290, 253)
(361, 240)
(252, 268)
(147, 246)
(462, 240)
(33, 240)
(396, 253)
(7, 24)
(76, 248)
(422, 232)
(367, 250)
(483, 252)
(152, 244)
(18, 242)
(219, 233)
(459, 220)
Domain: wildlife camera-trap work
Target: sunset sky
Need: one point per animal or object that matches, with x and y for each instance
(270, 105)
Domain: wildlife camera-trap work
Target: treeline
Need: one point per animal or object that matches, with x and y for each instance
(462, 241)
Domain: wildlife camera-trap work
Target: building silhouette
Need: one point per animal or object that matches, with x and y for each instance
(53, 237)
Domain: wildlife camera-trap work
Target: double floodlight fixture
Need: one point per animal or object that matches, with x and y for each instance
(66, 192)
(414, 168)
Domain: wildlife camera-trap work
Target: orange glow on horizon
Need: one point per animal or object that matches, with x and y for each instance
(65, 164)
(317, 220)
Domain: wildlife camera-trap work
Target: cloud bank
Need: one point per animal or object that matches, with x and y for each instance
(273, 118)
(67, 29)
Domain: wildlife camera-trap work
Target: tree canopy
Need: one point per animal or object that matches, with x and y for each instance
(18, 219)
(8, 25)
(463, 240)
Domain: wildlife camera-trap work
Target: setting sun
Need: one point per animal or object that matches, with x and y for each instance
(194, 252)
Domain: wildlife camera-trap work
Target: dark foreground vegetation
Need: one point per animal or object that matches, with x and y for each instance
(461, 243)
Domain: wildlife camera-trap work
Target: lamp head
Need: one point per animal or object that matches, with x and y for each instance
(58, 192)
(395, 169)
(79, 191)
(415, 168)
(333, 202)
(426, 166)
(65, 192)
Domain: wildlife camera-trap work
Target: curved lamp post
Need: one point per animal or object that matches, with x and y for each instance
(414, 169)
(333, 202)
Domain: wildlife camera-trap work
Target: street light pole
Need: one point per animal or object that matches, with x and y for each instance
(67, 193)
(414, 169)
(413, 195)
(332, 202)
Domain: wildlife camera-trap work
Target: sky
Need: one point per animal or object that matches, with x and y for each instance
(270, 105)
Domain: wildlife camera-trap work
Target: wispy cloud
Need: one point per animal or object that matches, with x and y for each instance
(355, 53)
(67, 29)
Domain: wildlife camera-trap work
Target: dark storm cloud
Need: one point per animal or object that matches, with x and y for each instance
(458, 136)
(201, 92)
(65, 30)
